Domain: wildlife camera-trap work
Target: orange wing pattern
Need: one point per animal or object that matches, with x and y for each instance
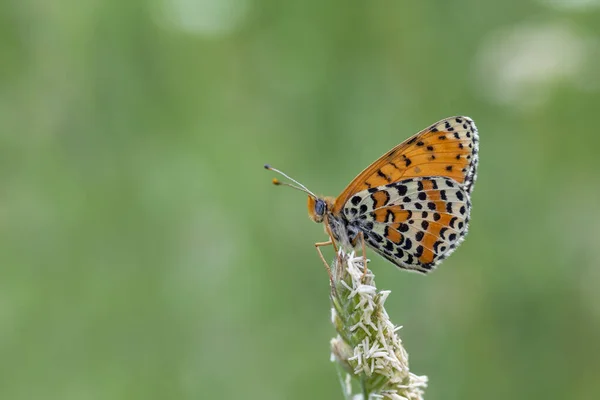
(448, 148)
(414, 223)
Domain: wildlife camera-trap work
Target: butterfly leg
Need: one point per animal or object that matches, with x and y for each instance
(361, 237)
(328, 231)
(317, 246)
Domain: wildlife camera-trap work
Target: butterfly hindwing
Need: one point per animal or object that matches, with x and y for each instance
(414, 223)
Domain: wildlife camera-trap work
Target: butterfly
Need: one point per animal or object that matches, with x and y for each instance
(412, 205)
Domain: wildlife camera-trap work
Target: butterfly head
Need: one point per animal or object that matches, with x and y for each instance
(317, 207)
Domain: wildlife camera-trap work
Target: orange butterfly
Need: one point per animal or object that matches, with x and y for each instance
(412, 205)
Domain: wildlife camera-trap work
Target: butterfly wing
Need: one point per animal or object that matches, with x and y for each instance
(448, 148)
(414, 223)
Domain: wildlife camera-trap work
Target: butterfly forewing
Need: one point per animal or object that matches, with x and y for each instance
(414, 223)
(448, 148)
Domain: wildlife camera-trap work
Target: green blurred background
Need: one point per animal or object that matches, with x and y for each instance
(145, 254)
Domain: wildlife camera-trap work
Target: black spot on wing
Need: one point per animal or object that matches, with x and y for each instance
(401, 189)
(384, 176)
(442, 232)
(389, 216)
(419, 251)
(377, 237)
(426, 267)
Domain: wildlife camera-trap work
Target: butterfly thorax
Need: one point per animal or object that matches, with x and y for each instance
(342, 231)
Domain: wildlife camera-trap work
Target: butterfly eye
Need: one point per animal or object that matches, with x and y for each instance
(320, 207)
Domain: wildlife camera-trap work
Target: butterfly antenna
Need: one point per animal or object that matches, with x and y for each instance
(297, 186)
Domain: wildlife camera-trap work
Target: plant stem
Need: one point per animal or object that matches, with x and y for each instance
(367, 346)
